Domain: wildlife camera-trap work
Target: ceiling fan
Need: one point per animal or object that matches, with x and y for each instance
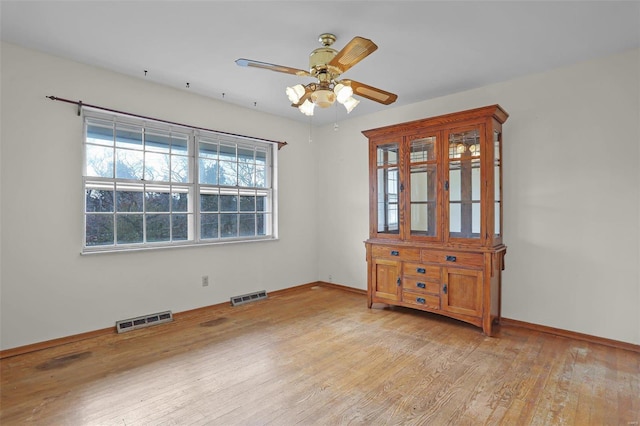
(327, 65)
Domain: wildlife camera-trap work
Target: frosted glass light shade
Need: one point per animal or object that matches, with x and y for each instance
(350, 104)
(343, 93)
(307, 107)
(295, 93)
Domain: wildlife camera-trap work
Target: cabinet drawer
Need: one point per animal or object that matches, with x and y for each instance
(396, 252)
(424, 272)
(420, 285)
(424, 300)
(453, 258)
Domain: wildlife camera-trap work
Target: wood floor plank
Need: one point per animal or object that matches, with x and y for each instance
(317, 355)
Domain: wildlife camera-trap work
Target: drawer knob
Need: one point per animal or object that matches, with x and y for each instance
(420, 300)
(421, 285)
(421, 270)
(395, 253)
(444, 289)
(451, 258)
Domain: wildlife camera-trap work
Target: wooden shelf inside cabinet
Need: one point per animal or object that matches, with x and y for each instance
(435, 215)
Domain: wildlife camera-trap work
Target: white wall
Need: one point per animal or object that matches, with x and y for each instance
(48, 289)
(571, 182)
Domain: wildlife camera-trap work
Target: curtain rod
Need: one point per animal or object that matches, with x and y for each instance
(80, 104)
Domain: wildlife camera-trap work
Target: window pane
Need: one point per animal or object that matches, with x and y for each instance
(228, 173)
(99, 200)
(156, 167)
(179, 144)
(209, 202)
(157, 201)
(179, 169)
(157, 143)
(261, 177)
(158, 227)
(100, 135)
(208, 171)
(179, 227)
(247, 203)
(261, 220)
(129, 201)
(208, 226)
(130, 228)
(261, 157)
(227, 152)
(246, 174)
(179, 201)
(130, 164)
(129, 138)
(247, 225)
(208, 150)
(229, 203)
(99, 229)
(261, 203)
(228, 225)
(99, 161)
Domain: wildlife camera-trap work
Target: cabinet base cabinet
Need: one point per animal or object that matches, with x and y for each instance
(468, 291)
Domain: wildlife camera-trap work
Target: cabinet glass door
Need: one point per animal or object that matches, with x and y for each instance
(423, 199)
(388, 188)
(464, 184)
(497, 182)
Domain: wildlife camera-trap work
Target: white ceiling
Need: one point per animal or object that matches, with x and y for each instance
(426, 49)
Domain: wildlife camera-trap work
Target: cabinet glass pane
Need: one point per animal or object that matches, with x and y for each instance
(464, 144)
(388, 219)
(387, 154)
(423, 149)
(423, 200)
(464, 184)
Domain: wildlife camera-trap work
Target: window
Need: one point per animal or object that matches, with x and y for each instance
(148, 184)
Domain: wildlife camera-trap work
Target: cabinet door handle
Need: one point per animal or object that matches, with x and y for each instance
(421, 270)
(451, 258)
(395, 253)
(398, 282)
(420, 300)
(421, 285)
(444, 289)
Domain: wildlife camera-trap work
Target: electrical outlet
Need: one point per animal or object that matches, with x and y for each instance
(205, 280)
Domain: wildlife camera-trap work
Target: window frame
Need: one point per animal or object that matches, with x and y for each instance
(112, 122)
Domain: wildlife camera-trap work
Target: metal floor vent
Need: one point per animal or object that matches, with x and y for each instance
(144, 321)
(246, 298)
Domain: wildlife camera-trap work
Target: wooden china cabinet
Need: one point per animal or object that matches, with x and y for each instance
(435, 233)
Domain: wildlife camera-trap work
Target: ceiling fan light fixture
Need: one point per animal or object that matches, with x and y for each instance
(307, 107)
(350, 104)
(295, 93)
(343, 92)
(324, 98)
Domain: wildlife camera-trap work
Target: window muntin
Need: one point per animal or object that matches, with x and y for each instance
(147, 185)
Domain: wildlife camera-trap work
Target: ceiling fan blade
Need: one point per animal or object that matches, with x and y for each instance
(370, 92)
(355, 51)
(277, 68)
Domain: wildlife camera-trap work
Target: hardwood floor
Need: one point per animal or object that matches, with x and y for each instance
(318, 356)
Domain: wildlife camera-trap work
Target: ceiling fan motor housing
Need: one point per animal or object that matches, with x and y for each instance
(319, 58)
